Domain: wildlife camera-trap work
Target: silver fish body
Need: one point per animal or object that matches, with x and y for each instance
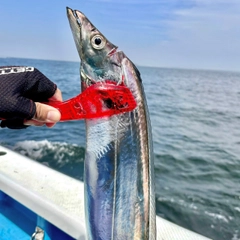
(119, 178)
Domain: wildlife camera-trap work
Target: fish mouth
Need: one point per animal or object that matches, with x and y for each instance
(72, 14)
(75, 25)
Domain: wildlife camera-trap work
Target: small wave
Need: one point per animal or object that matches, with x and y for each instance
(237, 209)
(236, 236)
(46, 151)
(217, 216)
(180, 202)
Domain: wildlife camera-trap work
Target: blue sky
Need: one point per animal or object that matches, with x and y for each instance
(202, 34)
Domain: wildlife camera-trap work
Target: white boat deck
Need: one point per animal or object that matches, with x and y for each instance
(59, 198)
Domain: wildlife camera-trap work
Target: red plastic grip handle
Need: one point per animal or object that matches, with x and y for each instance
(99, 100)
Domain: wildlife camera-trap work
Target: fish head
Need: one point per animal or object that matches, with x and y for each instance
(98, 62)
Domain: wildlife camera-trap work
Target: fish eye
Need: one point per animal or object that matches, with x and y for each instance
(98, 42)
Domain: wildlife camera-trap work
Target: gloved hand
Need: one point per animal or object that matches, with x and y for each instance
(21, 91)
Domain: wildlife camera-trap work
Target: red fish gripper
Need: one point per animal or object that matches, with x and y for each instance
(101, 99)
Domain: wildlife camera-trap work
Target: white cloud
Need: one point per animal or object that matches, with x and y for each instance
(172, 33)
(189, 34)
(205, 35)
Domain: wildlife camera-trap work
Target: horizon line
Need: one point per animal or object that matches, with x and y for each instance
(139, 65)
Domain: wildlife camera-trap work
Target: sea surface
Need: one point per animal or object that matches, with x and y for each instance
(195, 117)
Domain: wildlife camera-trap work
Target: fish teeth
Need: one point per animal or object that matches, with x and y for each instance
(89, 81)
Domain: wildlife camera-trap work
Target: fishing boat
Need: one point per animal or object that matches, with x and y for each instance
(37, 202)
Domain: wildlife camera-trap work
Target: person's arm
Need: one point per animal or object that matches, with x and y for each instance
(21, 91)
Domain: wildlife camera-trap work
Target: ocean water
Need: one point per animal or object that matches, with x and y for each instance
(195, 117)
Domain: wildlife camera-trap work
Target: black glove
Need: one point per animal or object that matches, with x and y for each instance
(20, 88)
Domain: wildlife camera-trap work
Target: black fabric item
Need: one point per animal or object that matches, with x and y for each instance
(20, 88)
(16, 123)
